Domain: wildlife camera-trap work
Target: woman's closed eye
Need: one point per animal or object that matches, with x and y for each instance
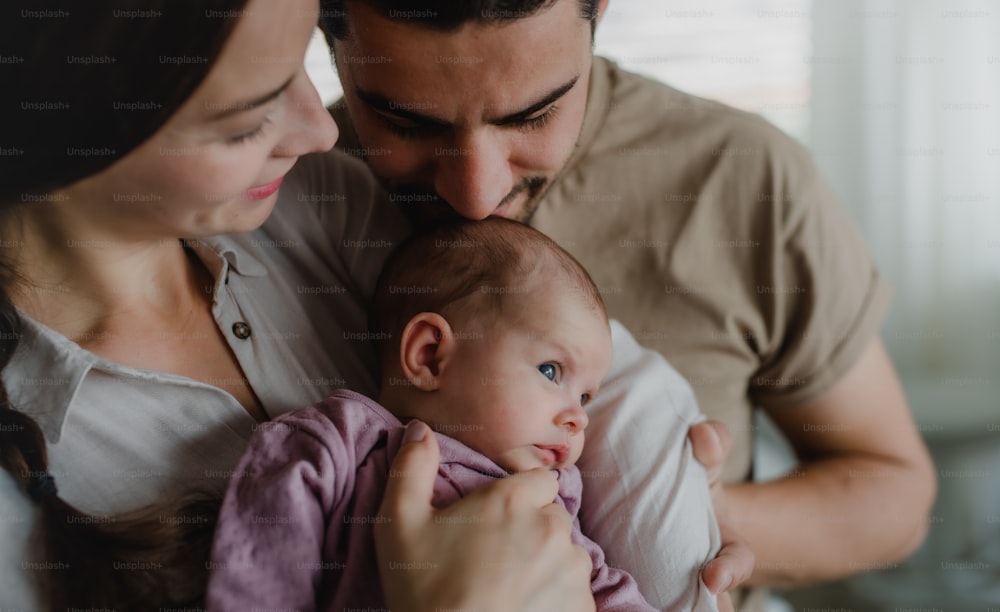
(250, 134)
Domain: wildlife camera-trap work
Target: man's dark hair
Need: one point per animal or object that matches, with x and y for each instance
(443, 15)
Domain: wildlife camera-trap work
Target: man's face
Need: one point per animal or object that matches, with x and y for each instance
(484, 117)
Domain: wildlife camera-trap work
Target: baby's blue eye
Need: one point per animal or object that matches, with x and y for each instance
(548, 370)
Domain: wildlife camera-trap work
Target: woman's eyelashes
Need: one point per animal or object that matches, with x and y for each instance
(250, 135)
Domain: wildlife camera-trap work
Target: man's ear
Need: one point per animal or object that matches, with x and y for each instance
(425, 347)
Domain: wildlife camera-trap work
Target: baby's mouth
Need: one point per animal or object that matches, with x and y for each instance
(554, 454)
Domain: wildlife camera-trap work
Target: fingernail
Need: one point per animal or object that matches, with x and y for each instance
(415, 432)
(725, 580)
(715, 436)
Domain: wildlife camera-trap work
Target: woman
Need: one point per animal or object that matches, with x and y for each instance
(156, 308)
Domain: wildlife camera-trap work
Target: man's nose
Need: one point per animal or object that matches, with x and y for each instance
(474, 175)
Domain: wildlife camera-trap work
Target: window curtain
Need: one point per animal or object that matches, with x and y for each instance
(905, 108)
(906, 124)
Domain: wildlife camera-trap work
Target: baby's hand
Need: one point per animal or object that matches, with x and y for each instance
(504, 547)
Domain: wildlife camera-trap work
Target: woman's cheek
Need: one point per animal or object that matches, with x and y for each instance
(219, 176)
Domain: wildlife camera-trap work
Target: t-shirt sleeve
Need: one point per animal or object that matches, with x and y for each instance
(817, 288)
(646, 501)
(268, 546)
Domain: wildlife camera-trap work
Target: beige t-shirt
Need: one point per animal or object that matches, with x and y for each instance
(715, 241)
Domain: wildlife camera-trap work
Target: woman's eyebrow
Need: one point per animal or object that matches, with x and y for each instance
(228, 110)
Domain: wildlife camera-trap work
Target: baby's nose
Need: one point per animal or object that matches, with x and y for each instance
(573, 419)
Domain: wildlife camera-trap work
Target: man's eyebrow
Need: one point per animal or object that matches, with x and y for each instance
(229, 110)
(534, 107)
(382, 104)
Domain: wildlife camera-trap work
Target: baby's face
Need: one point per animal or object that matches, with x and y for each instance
(516, 391)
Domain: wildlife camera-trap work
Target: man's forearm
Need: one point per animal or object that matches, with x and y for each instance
(831, 518)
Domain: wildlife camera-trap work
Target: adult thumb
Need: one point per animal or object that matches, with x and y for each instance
(408, 492)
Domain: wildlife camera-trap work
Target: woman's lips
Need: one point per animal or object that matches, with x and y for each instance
(263, 191)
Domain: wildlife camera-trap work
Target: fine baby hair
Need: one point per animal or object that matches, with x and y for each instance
(469, 268)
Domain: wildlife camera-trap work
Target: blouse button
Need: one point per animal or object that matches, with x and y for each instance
(241, 329)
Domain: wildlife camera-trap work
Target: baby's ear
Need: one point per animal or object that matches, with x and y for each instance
(425, 346)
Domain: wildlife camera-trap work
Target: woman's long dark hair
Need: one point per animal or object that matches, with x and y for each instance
(147, 559)
(82, 85)
(85, 83)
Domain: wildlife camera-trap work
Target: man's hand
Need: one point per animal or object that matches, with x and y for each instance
(505, 547)
(711, 443)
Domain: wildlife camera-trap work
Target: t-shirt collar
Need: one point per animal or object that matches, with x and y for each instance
(599, 92)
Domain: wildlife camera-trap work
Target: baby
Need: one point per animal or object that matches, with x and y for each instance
(497, 338)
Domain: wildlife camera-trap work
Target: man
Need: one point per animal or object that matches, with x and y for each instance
(710, 234)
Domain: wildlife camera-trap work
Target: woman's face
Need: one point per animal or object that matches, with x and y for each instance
(216, 165)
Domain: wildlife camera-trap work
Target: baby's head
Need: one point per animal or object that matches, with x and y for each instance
(498, 337)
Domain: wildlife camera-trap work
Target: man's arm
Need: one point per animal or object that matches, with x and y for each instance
(862, 493)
